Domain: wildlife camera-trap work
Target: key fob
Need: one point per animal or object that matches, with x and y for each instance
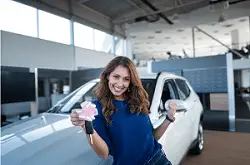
(89, 127)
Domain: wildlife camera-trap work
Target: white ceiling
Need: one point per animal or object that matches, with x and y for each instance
(155, 42)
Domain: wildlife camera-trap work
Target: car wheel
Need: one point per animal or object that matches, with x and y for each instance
(199, 142)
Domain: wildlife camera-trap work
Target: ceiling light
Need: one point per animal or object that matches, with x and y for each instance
(158, 31)
(228, 25)
(180, 30)
(243, 20)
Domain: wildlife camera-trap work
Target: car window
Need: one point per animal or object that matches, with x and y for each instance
(61, 104)
(168, 92)
(182, 88)
(88, 96)
(149, 86)
(85, 94)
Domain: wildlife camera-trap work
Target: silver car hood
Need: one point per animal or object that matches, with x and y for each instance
(46, 139)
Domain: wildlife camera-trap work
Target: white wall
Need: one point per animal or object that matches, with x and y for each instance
(241, 64)
(91, 59)
(24, 51)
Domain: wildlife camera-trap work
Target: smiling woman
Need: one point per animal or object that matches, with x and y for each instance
(120, 81)
(122, 127)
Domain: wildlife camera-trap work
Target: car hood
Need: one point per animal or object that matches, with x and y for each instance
(46, 139)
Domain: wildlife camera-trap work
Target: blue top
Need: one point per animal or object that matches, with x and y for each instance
(130, 136)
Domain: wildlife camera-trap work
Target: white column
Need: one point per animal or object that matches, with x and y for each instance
(235, 39)
(72, 43)
(236, 44)
(231, 92)
(37, 23)
(34, 105)
(128, 49)
(113, 46)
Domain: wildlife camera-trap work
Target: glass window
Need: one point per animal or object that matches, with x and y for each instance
(83, 36)
(103, 41)
(54, 28)
(18, 18)
(183, 89)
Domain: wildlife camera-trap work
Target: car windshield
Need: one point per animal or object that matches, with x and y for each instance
(85, 93)
(73, 97)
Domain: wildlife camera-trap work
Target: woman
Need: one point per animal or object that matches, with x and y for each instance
(122, 127)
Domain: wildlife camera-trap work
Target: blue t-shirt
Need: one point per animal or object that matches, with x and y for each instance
(130, 136)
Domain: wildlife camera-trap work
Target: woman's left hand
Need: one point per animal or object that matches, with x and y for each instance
(172, 110)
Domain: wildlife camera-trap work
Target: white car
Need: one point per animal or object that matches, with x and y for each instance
(50, 138)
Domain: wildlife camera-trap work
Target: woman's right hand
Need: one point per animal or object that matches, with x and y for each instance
(75, 120)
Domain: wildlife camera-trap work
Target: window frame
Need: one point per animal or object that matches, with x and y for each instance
(168, 81)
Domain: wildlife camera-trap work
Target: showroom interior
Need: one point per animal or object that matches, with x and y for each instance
(50, 48)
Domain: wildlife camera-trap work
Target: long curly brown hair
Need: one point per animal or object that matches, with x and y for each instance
(136, 97)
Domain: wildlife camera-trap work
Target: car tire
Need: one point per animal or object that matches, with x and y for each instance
(199, 142)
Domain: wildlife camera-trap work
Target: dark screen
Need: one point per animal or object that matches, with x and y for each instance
(17, 87)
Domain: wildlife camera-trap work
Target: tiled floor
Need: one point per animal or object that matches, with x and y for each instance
(223, 148)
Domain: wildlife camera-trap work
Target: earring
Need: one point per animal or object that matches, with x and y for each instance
(128, 90)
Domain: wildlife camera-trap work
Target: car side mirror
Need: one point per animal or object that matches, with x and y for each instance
(180, 105)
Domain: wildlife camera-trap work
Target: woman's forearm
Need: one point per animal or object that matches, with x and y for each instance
(159, 131)
(99, 145)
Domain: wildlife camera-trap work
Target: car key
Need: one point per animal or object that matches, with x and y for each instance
(89, 129)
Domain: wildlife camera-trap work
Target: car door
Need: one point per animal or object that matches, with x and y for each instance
(173, 139)
(187, 96)
(197, 110)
